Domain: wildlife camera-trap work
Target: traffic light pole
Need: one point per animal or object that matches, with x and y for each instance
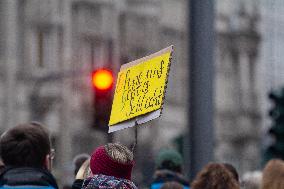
(201, 43)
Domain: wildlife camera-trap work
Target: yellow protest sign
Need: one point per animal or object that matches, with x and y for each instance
(141, 86)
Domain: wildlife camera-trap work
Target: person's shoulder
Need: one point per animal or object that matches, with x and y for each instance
(162, 176)
(26, 187)
(156, 185)
(27, 177)
(77, 184)
(105, 181)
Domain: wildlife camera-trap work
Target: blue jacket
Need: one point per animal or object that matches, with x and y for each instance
(162, 176)
(26, 178)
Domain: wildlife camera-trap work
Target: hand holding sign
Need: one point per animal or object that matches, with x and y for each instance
(140, 89)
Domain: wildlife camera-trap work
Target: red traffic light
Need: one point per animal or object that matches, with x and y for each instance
(102, 79)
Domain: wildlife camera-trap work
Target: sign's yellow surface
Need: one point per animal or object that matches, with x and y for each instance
(140, 88)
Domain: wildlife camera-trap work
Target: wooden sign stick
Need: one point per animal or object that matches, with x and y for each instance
(136, 137)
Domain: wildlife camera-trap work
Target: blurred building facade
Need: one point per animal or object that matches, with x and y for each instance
(237, 107)
(49, 48)
(271, 58)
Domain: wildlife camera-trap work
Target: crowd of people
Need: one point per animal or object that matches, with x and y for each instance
(26, 161)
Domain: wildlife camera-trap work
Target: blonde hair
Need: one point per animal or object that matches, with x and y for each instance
(273, 175)
(84, 171)
(119, 153)
(172, 185)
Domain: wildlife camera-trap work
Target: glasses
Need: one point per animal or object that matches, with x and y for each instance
(52, 154)
(50, 157)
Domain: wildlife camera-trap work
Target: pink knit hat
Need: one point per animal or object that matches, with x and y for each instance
(101, 163)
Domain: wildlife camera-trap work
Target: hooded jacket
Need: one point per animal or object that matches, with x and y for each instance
(162, 176)
(26, 178)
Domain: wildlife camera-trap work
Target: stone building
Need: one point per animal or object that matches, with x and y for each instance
(237, 108)
(48, 49)
(271, 57)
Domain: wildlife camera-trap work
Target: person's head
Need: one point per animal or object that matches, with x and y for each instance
(214, 176)
(233, 170)
(112, 160)
(26, 145)
(169, 159)
(273, 175)
(172, 185)
(78, 161)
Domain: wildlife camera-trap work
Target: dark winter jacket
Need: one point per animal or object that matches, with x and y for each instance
(2, 168)
(27, 178)
(162, 176)
(77, 184)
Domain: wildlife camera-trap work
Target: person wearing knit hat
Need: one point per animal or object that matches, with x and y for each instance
(169, 165)
(111, 166)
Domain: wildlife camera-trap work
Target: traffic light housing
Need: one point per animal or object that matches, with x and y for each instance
(276, 148)
(102, 81)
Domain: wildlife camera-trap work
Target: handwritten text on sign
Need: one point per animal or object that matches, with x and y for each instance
(140, 88)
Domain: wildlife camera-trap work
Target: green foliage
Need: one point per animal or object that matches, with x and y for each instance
(276, 149)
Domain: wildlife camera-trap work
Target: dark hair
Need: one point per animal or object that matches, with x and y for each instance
(25, 145)
(214, 176)
(233, 170)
